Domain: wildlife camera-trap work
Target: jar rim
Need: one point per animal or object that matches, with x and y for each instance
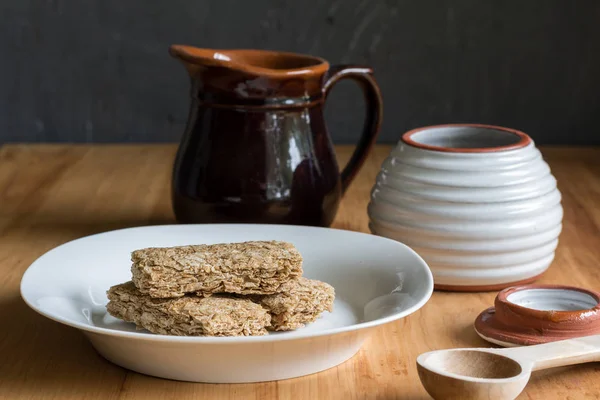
(483, 138)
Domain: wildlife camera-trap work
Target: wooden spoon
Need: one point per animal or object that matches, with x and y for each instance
(498, 373)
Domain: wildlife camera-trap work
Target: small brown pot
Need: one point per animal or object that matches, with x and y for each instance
(534, 314)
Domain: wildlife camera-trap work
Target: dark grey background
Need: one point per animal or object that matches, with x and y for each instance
(99, 71)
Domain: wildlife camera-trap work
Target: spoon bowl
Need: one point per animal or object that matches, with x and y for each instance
(472, 374)
(497, 373)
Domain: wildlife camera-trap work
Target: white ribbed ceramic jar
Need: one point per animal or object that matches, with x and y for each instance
(477, 202)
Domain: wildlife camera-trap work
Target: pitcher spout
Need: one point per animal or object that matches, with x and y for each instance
(257, 62)
(252, 77)
(195, 58)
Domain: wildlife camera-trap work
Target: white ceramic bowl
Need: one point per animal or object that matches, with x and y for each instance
(477, 202)
(377, 281)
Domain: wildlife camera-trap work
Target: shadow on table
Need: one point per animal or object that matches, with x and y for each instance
(467, 335)
(41, 357)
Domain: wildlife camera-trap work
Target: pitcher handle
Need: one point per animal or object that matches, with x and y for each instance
(364, 77)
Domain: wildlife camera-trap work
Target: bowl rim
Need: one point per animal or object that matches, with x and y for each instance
(230, 339)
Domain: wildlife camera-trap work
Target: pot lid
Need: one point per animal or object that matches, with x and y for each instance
(534, 314)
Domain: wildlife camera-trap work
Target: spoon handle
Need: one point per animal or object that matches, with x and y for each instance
(556, 354)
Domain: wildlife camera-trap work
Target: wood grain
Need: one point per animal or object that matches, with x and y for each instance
(50, 194)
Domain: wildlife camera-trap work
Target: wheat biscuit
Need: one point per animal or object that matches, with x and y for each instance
(300, 302)
(189, 315)
(258, 267)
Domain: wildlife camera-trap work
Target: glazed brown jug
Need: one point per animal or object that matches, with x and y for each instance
(256, 148)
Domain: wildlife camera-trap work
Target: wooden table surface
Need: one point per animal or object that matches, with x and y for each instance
(53, 194)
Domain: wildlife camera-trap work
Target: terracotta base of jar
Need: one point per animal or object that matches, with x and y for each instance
(484, 288)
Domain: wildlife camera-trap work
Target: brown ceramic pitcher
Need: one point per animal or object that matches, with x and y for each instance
(256, 148)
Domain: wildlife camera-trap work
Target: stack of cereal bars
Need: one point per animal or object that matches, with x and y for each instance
(233, 289)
